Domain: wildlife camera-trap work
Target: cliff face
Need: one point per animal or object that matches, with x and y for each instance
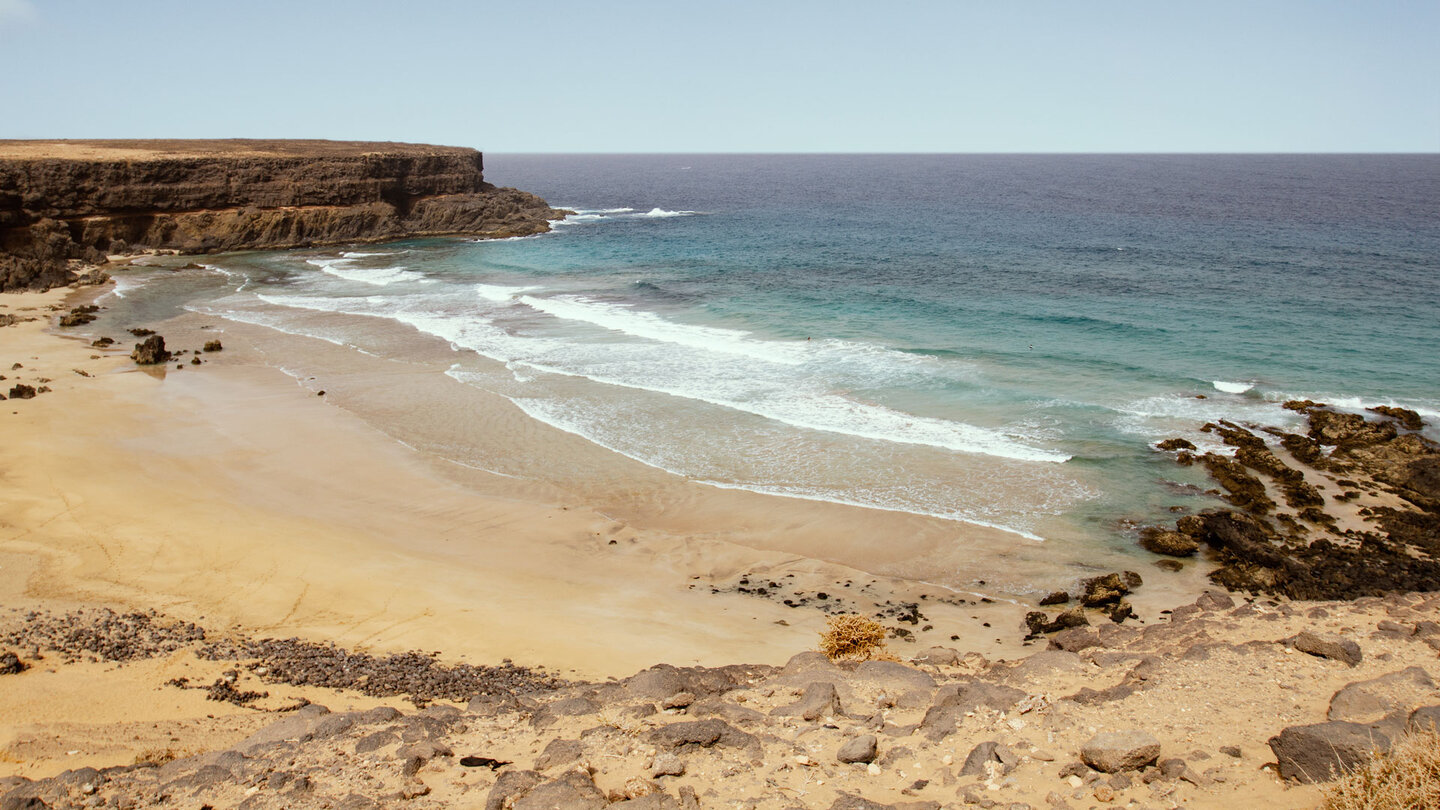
(63, 201)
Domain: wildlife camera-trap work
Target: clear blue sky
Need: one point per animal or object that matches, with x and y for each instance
(677, 76)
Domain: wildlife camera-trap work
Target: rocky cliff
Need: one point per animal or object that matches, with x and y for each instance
(68, 203)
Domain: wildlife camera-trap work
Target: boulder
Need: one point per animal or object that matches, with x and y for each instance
(1322, 751)
(559, 752)
(985, 753)
(819, 700)
(375, 741)
(1210, 600)
(1108, 589)
(1174, 544)
(1425, 718)
(299, 726)
(667, 765)
(510, 786)
(860, 749)
(150, 352)
(10, 663)
(1116, 751)
(893, 675)
(954, 700)
(938, 656)
(1075, 639)
(1372, 700)
(1327, 645)
(657, 683)
(701, 733)
(1039, 623)
(572, 790)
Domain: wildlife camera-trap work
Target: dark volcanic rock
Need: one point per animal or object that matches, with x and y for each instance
(860, 749)
(1407, 418)
(820, 700)
(1174, 544)
(10, 663)
(1328, 646)
(1321, 752)
(150, 352)
(22, 391)
(1108, 589)
(1115, 751)
(1039, 623)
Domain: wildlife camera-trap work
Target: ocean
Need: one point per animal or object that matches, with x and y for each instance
(995, 340)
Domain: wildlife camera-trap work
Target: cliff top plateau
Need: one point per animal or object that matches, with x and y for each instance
(131, 149)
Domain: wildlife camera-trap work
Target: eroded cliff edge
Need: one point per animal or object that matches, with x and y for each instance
(64, 204)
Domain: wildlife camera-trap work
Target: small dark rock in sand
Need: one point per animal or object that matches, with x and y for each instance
(1108, 589)
(22, 392)
(213, 346)
(1115, 751)
(150, 352)
(1055, 598)
(141, 332)
(860, 749)
(1330, 646)
(79, 316)
(1039, 623)
(10, 663)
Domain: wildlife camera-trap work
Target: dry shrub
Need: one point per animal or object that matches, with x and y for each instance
(1405, 778)
(852, 636)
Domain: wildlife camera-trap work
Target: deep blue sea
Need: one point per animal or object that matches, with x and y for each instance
(989, 338)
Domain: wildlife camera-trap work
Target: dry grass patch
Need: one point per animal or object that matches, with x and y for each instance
(849, 636)
(1405, 778)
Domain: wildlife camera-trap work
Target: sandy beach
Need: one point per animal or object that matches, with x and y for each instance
(232, 495)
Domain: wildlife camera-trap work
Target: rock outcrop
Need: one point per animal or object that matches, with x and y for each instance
(64, 204)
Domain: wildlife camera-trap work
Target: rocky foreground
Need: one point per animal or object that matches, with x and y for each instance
(1225, 704)
(67, 205)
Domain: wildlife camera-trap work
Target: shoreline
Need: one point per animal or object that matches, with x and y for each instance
(184, 491)
(236, 439)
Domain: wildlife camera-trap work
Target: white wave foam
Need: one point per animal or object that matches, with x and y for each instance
(657, 213)
(650, 326)
(379, 276)
(592, 214)
(726, 376)
(557, 417)
(1430, 411)
(834, 413)
(501, 295)
(1232, 387)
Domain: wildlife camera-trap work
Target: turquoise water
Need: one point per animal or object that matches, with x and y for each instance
(992, 339)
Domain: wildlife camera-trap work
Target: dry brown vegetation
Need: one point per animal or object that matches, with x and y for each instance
(849, 636)
(1405, 778)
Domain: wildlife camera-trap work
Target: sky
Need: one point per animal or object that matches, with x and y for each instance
(738, 76)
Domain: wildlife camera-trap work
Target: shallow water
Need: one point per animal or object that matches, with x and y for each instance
(990, 339)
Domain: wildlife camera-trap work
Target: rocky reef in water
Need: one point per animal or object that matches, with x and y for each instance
(1350, 508)
(68, 204)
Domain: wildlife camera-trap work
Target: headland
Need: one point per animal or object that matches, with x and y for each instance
(64, 204)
